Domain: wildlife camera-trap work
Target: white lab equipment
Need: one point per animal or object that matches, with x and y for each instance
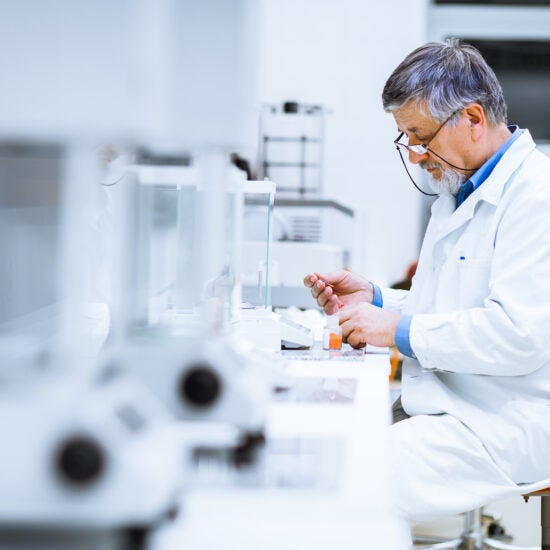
(82, 441)
(291, 147)
(324, 479)
(176, 270)
(86, 453)
(255, 320)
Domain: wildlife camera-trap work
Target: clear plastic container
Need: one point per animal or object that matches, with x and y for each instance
(332, 334)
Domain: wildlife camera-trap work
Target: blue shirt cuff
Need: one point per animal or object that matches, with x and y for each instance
(377, 298)
(402, 336)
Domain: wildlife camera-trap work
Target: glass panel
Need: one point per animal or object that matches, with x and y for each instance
(30, 228)
(186, 225)
(156, 259)
(52, 278)
(257, 265)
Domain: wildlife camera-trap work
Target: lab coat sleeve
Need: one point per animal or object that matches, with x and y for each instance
(393, 299)
(507, 335)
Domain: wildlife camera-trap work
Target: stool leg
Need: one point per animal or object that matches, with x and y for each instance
(497, 545)
(473, 532)
(545, 521)
(447, 545)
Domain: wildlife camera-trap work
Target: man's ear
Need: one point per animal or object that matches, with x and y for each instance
(476, 120)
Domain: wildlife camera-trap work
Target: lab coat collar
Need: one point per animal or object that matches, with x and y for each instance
(490, 191)
(508, 164)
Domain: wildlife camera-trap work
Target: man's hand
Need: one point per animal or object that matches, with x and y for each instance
(365, 323)
(338, 289)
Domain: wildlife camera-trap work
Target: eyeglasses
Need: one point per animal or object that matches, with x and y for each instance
(422, 149)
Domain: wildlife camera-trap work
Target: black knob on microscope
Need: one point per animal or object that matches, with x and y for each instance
(80, 460)
(291, 107)
(200, 385)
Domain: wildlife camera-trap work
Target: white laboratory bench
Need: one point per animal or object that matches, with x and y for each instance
(326, 482)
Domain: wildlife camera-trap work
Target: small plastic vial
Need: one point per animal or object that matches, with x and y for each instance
(332, 334)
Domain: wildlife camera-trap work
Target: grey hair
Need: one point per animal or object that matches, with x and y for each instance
(447, 76)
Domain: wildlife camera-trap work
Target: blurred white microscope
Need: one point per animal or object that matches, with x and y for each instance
(83, 445)
(176, 263)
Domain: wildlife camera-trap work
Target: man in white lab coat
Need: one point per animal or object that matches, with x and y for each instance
(473, 421)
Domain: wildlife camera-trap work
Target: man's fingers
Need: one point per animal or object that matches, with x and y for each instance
(310, 280)
(353, 337)
(323, 293)
(326, 297)
(319, 290)
(346, 327)
(332, 306)
(356, 343)
(346, 313)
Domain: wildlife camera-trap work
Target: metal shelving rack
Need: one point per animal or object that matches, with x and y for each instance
(291, 147)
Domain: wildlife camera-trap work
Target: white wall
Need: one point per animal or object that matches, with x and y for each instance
(339, 53)
(216, 83)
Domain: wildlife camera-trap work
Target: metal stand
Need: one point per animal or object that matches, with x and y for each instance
(545, 521)
(291, 147)
(474, 538)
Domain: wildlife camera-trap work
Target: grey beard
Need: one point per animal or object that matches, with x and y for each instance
(450, 181)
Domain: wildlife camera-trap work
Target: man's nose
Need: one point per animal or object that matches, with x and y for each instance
(415, 158)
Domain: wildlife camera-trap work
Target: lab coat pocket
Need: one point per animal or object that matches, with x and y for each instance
(473, 281)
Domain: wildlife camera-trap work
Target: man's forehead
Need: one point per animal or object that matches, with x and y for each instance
(412, 118)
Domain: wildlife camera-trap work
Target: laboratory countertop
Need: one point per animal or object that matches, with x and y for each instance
(325, 480)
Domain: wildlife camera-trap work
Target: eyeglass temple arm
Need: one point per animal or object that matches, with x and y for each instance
(410, 177)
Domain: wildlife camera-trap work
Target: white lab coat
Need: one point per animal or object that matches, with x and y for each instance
(481, 326)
